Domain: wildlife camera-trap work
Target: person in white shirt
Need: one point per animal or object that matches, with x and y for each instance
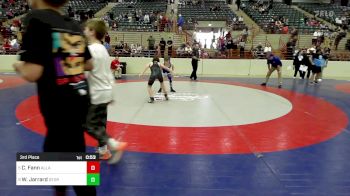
(267, 48)
(14, 43)
(338, 21)
(139, 48)
(101, 81)
(234, 20)
(146, 18)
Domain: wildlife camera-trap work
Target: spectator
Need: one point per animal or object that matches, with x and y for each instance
(294, 33)
(115, 26)
(279, 25)
(234, 20)
(162, 45)
(300, 63)
(133, 49)
(180, 21)
(285, 29)
(70, 12)
(6, 45)
(241, 48)
(229, 46)
(240, 19)
(228, 35)
(338, 21)
(267, 48)
(151, 42)
(14, 43)
(245, 34)
(188, 49)
(258, 51)
(107, 38)
(339, 36)
(238, 3)
(116, 68)
(146, 19)
(180, 50)
(139, 48)
(318, 61)
(170, 46)
(107, 46)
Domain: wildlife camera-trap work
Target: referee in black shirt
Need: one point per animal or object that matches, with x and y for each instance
(195, 59)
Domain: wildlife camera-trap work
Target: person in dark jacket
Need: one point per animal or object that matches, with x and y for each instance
(195, 59)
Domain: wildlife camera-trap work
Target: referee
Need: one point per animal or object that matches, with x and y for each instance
(274, 63)
(195, 59)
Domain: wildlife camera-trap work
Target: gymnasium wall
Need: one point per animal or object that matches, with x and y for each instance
(213, 67)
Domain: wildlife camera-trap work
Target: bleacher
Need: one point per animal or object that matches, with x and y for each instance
(327, 12)
(201, 12)
(295, 17)
(17, 8)
(84, 5)
(152, 6)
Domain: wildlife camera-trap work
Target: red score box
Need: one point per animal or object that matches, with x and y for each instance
(93, 167)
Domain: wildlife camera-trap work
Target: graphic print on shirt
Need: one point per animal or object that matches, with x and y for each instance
(68, 50)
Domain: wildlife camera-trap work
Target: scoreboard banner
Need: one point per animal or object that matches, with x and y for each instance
(58, 169)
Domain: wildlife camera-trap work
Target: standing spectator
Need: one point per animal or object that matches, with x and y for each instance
(299, 63)
(151, 42)
(107, 38)
(238, 3)
(318, 61)
(316, 35)
(229, 47)
(59, 74)
(156, 26)
(245, 34)
(162, 45)
(326, 52)
(195, 59)
(241, 48)
(180, 22)
(228, 35)
(339, 36)
(294, 33)
(170, 46)
(172, 9)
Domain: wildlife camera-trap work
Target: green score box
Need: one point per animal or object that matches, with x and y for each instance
(93, 179)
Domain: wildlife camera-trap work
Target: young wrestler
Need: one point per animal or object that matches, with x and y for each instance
(156, 73)
(169, 65)
(100, 80)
